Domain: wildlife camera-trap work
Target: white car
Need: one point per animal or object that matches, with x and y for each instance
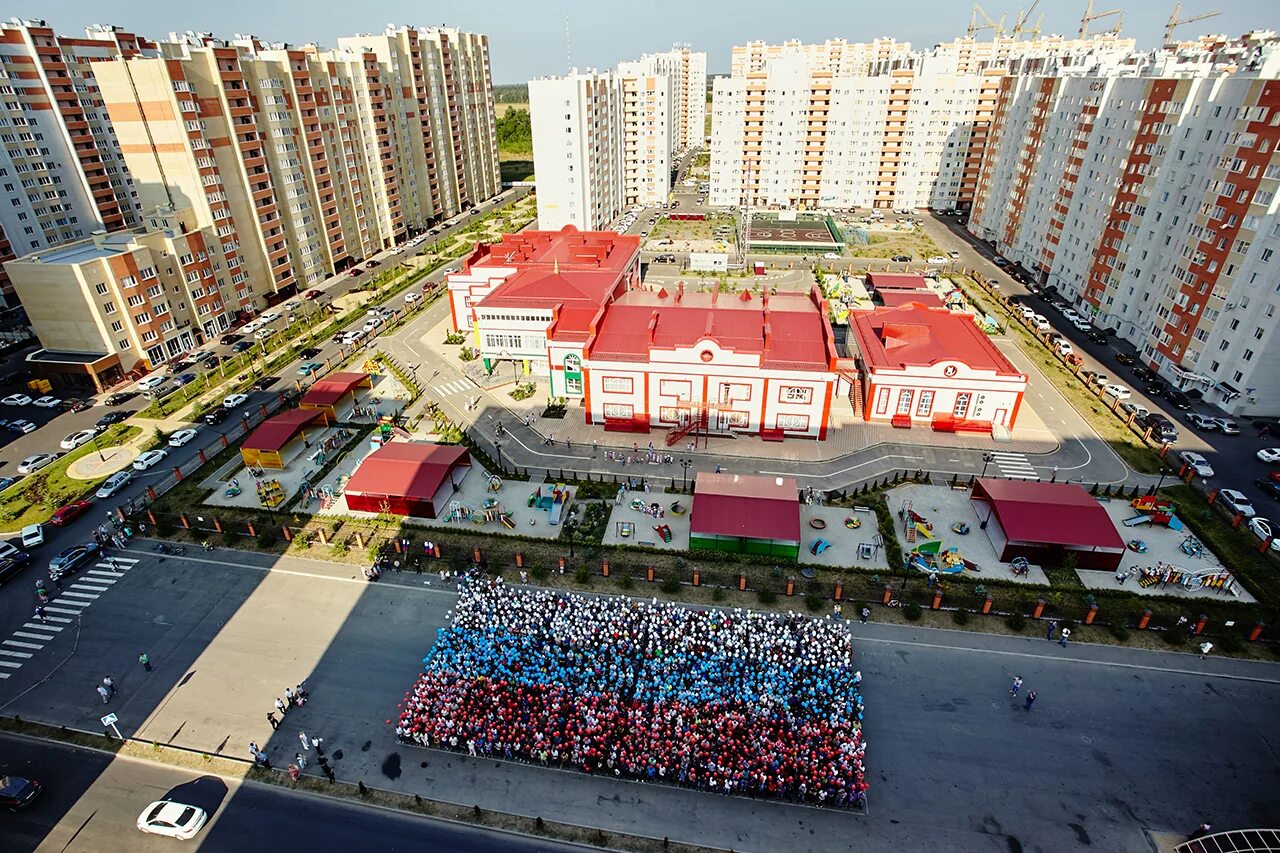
(1198, 462)
(1237, 502)
(264, 333)
(1064, 348)
(412, 297)
(1027, 310)
(937, 260)
(1082, 324)
(35, 462)
(47, 402)
(1118, 391)
(1070, 314)
(182, 436)
(146, 460)
(269, 317)
(234, 400)
(76, 439)
(1269, 454)
(1264, 529)
(115, 483)
(1042, 323)
(17, 400)
(175, 820)
(33, 536)
(831, 256)
(150, 382)
(1135, 409)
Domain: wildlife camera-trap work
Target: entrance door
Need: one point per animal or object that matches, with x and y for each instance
(1000, 416)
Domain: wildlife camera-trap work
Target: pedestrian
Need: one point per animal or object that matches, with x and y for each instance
(1121, 576)
(300, 694)
(289, 698)
(1016, 686)
(263, 760)
(1205, 648)
(1200, 831)
(295, 774)
(836, 614)
(300, 760)
(40, 613)
(253, 749)
(104, 693)
(145, 660)
(271, 718)
(933, 578)
(524, 576)
(1053, 626)
(864, 615)
(281, 707)
(1031, 698)
(328, 772)
(57, 580)
(1064, 636)
(306, 742)
(109, 683)
(316, 744)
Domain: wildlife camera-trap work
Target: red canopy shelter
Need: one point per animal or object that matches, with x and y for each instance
(1046, 521)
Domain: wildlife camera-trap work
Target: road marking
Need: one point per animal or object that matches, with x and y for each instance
(10, 664)
(60, 610)
(4, 675)
(85, 584)
(87, 595)
(31, 636)
(114, 576)
(20, 645)
(62, 599)
(39, 627)
(10, 654)
(58, 618)
(842, 470)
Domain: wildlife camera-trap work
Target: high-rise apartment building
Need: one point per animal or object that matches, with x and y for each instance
(842, 125)
(1150, 201)
(687, 72)
(649, 134)
(62, 174)
(577, 123)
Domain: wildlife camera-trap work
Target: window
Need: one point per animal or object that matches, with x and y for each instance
(616, 411)
(734, 392)
(100, 289)
(904, 401)
(962, 405)
(882, 401)
(925, 406)
(799, 423)
(798, 394)
(680, 389)
(618, 385)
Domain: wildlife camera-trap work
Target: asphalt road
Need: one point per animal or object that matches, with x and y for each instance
(92, 801)
(1119, 742)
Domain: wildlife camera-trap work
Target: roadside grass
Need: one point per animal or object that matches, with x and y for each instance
(917, 244)
(34, 498)
(1237, 549)
(514, 166)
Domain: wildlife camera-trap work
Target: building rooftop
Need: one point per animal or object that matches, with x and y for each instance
(914, 335)
(566, 249)
(897, 281)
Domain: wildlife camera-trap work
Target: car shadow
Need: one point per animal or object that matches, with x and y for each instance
(206, 792)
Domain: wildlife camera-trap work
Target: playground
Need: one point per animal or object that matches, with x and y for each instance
(939, 530)
(838, 537)
(247, 487)
(652, 519)
(1167, 557)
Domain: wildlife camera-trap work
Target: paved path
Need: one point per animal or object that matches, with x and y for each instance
(955, 763)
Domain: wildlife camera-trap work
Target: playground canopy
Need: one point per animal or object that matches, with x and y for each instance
(407, 478)
(265, 445)
(1046, 521)
(745, 514)
(897, 281)
(329, 392)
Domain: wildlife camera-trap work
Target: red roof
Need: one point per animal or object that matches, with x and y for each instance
(897, 281)
(748, 506)
(1049, 514)
(332, 388)
(787, 330)
(913, 335)
(275, 432)
(578, 295)
(407, 470)
(568, 248)
(898, 298)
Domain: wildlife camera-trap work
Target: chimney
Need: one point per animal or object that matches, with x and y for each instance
(679, 290)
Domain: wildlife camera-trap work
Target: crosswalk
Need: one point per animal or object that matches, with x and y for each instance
(460, 386)
(1015, 466)
(61, 612)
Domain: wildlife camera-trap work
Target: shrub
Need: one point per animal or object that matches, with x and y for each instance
(268, 537)
(1119, 631)
(718, 594)
(767, 596)
(582, 575)
(230, 539)
(670, 586)
(625, 581)
(1016, 622)
(539, 572)
(1175, 636)
(163, 526)
(912, 612)
(961, 616)
(813, 601)
(1230, 643)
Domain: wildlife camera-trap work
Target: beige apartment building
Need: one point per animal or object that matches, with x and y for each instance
(121, 302)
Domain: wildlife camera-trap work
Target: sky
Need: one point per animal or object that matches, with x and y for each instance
(528, 39)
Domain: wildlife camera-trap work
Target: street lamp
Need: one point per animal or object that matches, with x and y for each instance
(497, 446)
(686, 464)
(987, 459)
(98, 448)
(569, 527)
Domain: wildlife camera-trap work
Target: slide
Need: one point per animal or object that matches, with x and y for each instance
(1137, 520)
(557, 509)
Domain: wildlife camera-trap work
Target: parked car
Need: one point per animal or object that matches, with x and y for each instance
(76, 404)
(1198, 462)
(119, 397)
(70, 559)
(902, 259)
(35, 462)
(1064, 348)
(6, 482)
(1203, 422)
(264, 333)
(1161, 427)
(241, 346)
(1227, 426)
(1265, 530)
(1269, 454)
(10, 566)
(64, 515)
(47, 402)
(1178, 399)
(114, 484)
(1118, 391)
(182, 436)
(937, 260)
(174, 820)
(112, 418)
(1135, 409)
(76, 439)
(22, 427)
(148, 459)
(32, 536)
(1125, 358)
(1237, 502)
(229, 339)
(16, 793)
(149, 382)
(411, 297)
(1270, 488)
(269, 317)
(17, 400)
(233, 400)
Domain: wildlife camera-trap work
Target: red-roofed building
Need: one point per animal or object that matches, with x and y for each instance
(1046, 521)
(745, 515)
(265, 447)
(334, 392)
(929, 365)
(896, 281)
(408, 478)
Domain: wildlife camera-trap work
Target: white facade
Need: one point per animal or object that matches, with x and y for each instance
(648, 137)
(577, 149)
(687, 70)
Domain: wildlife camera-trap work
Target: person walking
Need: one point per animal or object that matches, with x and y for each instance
(316, 745)
(253, 749)
(263, 759)
(1031, 698)
(145, 660)
(836, 610)
(281, 707)
(864, 615)
(271, 718)
(1205, 648)
(41, 615)
(304, 740)
(1016, 686)
(1200, 831)
(1053, 626)
(294, 774)
(289, 698)
(109, 683)
(1064, 636)
(327, 770)
(104, 693)
(300, 760)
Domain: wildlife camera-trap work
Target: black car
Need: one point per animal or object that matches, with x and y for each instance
(1157, 387)
(16, 376)
(1096, 336)
(17, 793)
(266, 382)
(1178, 399)
(121, 397)
(1126, 358)
(241, 346)
(13, 564)
(309, 352)
(112, 418)
(215, 416)
(901, 259)
(1269, 487)
(76, 405)
(70, 559)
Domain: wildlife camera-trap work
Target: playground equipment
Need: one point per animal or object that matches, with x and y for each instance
(819, 545)
(270, 493)
(495, 482)
(1192, 547)
(852, 522)
(663, 531)
(1138, 546)
(1153, 510)
(1216, 578)
(1020, 566)
(818, 523)
(625, 529)
(913, 523)
(233, 488)
(677, 508)
(554, 502)
(960, 528)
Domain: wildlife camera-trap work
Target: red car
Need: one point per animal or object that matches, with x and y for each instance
(312, 294)
(69, 513)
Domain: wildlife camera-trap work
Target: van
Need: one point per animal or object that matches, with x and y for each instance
(1162, 429)
(157, 391)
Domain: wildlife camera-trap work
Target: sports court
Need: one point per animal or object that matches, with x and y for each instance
(772, 232)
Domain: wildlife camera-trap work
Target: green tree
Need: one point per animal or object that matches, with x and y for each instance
(514, 132)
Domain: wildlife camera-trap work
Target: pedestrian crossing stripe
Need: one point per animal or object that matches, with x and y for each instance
(87, 595)
(39, 627)
(10, 664)
(4, 675)
(21, 645)
(31, 636)
(10, 654)
(90, 587)
(52, 609)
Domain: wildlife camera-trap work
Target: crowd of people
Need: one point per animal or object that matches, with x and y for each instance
(736, 702)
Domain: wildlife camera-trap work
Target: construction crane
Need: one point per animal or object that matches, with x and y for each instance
(997, 29)
(1090, 16)
(1175, 22)
(1020, 26)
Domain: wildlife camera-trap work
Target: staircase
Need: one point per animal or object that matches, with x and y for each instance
(697, 421)
(855, 392)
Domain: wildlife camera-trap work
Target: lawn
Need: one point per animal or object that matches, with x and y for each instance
(515, 167)
(694, 229)
(915, 243)
(33, 499)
